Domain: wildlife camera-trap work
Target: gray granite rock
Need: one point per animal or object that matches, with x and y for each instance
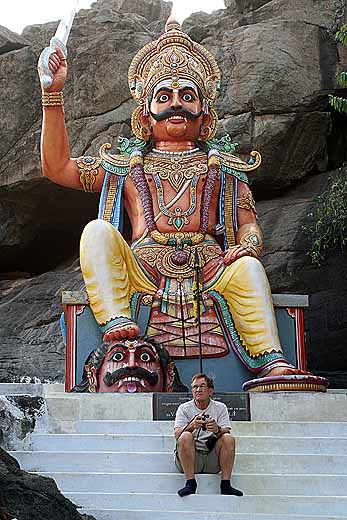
(324, 13)
(26, 496)
(18, 415)
(19, 109)
(30, 335)
(10, 41)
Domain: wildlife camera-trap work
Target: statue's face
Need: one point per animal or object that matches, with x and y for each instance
(130, 366)
(176, 115)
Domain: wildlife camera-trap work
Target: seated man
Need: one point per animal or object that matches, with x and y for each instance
(204, 442)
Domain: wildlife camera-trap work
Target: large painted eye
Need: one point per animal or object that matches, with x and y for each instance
(163, 98)
(145, 357)
(188, 97)
(117, 356)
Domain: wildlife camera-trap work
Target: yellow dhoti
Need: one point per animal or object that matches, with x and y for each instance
(112, 275)
(110, 272)
(245, 287)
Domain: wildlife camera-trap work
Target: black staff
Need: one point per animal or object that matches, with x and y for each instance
(182, 320)
(197, 299)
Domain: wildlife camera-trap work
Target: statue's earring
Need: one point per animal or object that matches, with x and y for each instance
(145, 110)
(170, 377)
(140, 124)
(92, 380)
(205, 125)
(209, 125)
(144, 123)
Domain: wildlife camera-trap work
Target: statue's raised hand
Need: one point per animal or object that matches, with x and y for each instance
(52, 69)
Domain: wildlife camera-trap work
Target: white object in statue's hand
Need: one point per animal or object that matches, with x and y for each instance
(59, 40)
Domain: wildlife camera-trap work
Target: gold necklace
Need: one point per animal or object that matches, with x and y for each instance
(176, 169)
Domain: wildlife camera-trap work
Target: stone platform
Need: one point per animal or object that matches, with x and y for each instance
(108, 456)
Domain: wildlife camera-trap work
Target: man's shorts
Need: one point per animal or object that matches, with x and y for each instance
(205, 462)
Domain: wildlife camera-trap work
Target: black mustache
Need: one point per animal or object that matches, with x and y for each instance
(175, 112)
(121, 373)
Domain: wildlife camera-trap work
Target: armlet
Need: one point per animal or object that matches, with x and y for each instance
(251, 239)
(246, 201)
(88, 169)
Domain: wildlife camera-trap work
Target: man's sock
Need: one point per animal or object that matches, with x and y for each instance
(189, 488)
(227, 489)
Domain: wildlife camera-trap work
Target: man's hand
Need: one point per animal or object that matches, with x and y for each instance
(202, 422)
(235, 252)
(57, 66)
(211, 426)
(198, 422)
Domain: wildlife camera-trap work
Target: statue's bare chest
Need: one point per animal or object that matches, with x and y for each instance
(176, 185)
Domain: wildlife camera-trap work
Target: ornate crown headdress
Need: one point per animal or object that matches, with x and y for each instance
(174, 57)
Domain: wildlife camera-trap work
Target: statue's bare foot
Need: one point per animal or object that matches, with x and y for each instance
(127, 330)
(286, 371)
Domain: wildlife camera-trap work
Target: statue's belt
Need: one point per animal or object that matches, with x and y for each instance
(159, 257)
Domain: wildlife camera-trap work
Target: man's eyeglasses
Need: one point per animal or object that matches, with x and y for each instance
(195, 387)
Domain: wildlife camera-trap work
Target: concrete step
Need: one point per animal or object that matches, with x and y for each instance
(251, 463)
(303, 485)
(273, 406)
(239, 428)
(164, 443)
(201, 503)
(117, 514)
(114, 406)
(31, 389)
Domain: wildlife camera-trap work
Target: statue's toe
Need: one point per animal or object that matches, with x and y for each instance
(122, 331)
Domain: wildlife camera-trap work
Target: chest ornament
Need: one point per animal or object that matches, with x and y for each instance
(137, 172)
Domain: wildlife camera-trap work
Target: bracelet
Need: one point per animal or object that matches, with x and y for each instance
(52, 99)
(249, 236)
(219, 430)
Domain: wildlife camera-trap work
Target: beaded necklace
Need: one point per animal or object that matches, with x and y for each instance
(185, 153)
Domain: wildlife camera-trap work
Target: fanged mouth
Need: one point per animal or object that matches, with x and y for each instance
(131, 380)
(179, 119)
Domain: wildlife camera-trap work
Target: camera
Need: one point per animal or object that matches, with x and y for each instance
(211, 441)
(204, 416)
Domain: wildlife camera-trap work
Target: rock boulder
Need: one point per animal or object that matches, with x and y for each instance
(26, 496)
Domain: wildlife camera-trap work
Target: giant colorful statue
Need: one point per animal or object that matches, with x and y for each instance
(190, 208)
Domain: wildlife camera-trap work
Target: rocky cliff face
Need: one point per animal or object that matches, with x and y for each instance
(278, 60)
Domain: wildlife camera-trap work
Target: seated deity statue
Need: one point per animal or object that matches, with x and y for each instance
(191, 210)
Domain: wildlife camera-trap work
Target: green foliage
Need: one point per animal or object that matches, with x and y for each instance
(327, 223)
(342, 78)
(341, 35)
(338, 103)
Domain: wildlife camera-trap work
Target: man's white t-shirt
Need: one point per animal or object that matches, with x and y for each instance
(216, 410)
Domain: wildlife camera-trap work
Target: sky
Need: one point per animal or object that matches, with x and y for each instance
(16, 14)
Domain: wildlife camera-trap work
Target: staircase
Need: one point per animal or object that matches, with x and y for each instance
(120, 469)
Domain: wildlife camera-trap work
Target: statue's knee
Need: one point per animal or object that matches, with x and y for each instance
(248, 262)
(97, 226)
(99, 230)
(250, 267)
